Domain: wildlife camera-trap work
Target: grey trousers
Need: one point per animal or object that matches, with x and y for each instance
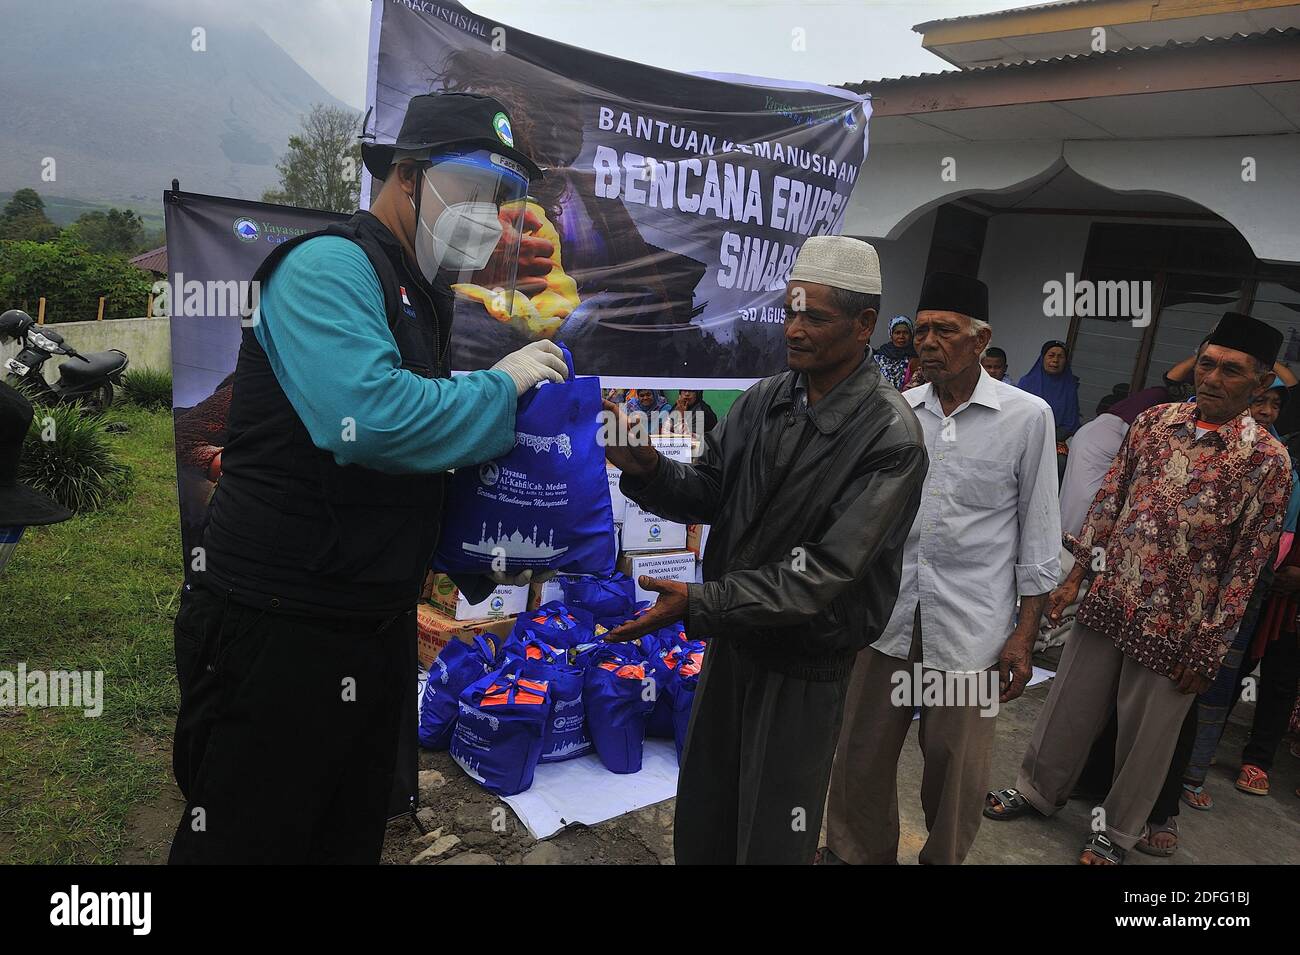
(757, 759)
(956, 744)
(1094, 678)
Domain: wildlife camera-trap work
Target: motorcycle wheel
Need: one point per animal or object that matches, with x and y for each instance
(101, 399)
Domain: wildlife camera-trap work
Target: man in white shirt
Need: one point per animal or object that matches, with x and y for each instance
(988, 529)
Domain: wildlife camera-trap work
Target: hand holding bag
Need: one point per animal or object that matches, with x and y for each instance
(545, 504)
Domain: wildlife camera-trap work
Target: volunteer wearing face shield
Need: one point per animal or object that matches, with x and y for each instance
(297, 622)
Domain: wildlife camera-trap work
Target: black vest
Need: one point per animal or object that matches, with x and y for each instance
(288, 528)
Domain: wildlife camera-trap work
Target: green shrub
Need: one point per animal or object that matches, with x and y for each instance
(67, 456)
(148, 388)
(71, 278)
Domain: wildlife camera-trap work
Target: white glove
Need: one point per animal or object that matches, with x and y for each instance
(534, 363)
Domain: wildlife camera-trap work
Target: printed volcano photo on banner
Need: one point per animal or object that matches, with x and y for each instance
(674, 203)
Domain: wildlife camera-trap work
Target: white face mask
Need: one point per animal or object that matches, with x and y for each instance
(462, 238)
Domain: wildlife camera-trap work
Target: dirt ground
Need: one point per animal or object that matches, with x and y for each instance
(464, 824)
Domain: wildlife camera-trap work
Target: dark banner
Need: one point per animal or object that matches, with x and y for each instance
(214, 245)
(676, 203)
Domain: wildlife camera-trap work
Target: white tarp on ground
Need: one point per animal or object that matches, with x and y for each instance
(582, 790)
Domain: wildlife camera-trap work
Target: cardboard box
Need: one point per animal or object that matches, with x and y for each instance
(697, 536)
(434, 630)
(643, 531)
(504, 601)
(676, 565)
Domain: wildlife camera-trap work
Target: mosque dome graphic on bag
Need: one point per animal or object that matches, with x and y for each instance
(516, 545)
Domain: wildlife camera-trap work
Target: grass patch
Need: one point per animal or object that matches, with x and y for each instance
(68, 456)
(147, 388)
(95, 593)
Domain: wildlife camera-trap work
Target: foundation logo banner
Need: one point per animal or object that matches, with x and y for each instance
(672, 205)
(214, 246)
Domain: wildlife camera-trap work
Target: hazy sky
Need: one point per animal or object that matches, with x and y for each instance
(845, 40)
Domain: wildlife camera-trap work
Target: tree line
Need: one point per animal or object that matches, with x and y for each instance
(74, 266)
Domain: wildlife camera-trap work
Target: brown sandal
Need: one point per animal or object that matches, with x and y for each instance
(1149, 832)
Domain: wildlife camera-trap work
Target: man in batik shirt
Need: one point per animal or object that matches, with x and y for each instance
(1177, 535)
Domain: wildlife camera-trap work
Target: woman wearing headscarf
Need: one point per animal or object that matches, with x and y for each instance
(1052, 380)
(650, 406)
(895, 356)
(646, 401)
(691, 413)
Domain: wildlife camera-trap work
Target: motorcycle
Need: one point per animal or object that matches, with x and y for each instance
(88, 379)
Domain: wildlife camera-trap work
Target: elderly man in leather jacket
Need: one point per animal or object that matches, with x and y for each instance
(810, 484)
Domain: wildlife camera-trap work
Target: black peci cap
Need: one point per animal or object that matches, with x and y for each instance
(1246, 334)
(949, 292)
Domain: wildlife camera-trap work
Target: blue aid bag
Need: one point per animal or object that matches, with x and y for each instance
(557, 624)
(565, 736)
(527, 644)
(611, 596)
(456, 667)
(683, 695)
(617, 709)
(661, 667)
(498, 735)
(581, 655)
(545, 504)
(617, 620)
(674, 633)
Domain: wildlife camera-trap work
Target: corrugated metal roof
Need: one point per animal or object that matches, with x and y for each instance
(155, 260)
(921, 27)
(867, 86)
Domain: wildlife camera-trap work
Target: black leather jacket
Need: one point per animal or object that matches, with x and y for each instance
(803, 562)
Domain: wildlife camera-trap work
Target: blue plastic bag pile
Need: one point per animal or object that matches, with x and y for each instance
(555, 690)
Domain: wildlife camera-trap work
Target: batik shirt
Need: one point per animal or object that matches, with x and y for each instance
(1178, 534)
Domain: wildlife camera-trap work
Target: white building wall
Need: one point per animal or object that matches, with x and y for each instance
(902, 270)
(146, 341)
(1251, 181)
(1021, 252)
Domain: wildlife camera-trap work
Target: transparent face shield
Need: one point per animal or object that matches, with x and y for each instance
(466, 229)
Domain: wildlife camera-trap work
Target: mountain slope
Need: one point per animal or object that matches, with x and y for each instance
(114, 93)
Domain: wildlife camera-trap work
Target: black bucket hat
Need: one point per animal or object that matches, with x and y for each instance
(20, 505)
(436, 121)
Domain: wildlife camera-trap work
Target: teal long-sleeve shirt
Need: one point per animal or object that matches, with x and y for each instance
(322, 324)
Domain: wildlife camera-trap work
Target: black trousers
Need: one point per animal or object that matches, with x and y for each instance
(1100, 768)
(287, 737)
(756, 765)
(1279, 671)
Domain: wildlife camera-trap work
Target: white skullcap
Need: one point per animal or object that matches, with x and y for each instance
(838, 261)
